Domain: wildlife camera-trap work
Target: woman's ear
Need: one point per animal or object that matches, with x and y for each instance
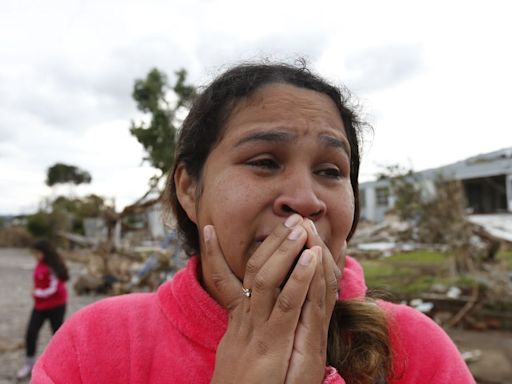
(186, 192)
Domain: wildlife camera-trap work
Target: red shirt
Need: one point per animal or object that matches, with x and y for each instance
(49, 291)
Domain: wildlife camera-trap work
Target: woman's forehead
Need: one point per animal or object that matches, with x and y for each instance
(287, 107)
(276, 96)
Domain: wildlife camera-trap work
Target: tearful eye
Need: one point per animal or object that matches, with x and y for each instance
(265, 163)
(332, 172)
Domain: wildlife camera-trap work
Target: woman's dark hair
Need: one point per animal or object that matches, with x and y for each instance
(358, 343)
(52, 258)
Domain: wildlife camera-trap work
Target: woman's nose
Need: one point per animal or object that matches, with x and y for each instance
(299, 197)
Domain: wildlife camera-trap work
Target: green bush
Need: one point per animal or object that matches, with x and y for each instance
(38, 224)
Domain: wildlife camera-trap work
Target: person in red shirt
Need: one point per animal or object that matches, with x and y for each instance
(50, 296)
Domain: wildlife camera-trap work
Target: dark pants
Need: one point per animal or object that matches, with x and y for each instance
(56, 317)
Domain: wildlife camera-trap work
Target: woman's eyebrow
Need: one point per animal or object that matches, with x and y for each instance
(331, 141)
(285, 136)
(271, 136)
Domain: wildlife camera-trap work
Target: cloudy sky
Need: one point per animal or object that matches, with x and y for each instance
(433, 78)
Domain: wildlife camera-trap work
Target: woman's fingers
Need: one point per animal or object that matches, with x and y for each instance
(310, 344)
(288, 305)
(312, 327)
(272, 275)
(332, 273)
(267, 346)
(227, 287)
(271, 263)
(269, 246)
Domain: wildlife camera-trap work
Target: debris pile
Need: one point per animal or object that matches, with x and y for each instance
(480, 298)
(134, 268)
(375, 240)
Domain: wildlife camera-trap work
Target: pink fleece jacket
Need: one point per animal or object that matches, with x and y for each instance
(171, 336)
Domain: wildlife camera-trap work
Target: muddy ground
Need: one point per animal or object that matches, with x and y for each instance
(493, 367)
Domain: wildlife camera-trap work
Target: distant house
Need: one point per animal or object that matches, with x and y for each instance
(144, 223)
(487, 181)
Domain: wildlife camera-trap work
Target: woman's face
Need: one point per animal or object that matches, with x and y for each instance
(284, 150)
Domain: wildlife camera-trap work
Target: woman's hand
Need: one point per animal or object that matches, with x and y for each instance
(309, 355)
(276, 335)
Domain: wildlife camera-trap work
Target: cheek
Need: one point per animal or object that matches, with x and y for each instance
(226, 202)
(341, 218)
(233, 209)
(342, 206)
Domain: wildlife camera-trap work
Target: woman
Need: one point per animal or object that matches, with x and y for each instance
(265, 193)
(50, 296)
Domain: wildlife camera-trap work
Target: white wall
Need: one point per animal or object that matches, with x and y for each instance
(156, 225)
(372, 211)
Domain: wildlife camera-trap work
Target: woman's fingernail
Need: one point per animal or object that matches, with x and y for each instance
(208, 232)
(306, 257)
(295, 233)
(292, 221)
(317, 251)
(313, 227)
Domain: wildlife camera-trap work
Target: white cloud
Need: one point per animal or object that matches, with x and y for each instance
(433, 77)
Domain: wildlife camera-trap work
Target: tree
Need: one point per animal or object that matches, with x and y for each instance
(78, 209)
(49, 224)
(64, 214)
(159, 136)
(436, 219)
(405, 187)
(444, 222)
(66, 174)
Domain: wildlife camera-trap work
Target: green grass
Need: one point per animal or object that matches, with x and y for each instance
(429, 257)
(505, 255)
(407, 274)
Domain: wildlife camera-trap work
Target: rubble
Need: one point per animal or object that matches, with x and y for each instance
(483, 301)
(420, 305)
(471, 356)
(374, 240)
(453, 293)
(498, 226)
(88, 283)
(142, 266)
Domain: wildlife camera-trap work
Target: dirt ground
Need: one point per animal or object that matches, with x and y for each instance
(493, 367)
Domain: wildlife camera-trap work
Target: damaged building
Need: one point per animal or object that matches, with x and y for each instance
(486, 178)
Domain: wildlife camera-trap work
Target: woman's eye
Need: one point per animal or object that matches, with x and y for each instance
(331, 172)
(264, 163)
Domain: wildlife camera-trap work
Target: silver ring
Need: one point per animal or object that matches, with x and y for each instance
(247, 292)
